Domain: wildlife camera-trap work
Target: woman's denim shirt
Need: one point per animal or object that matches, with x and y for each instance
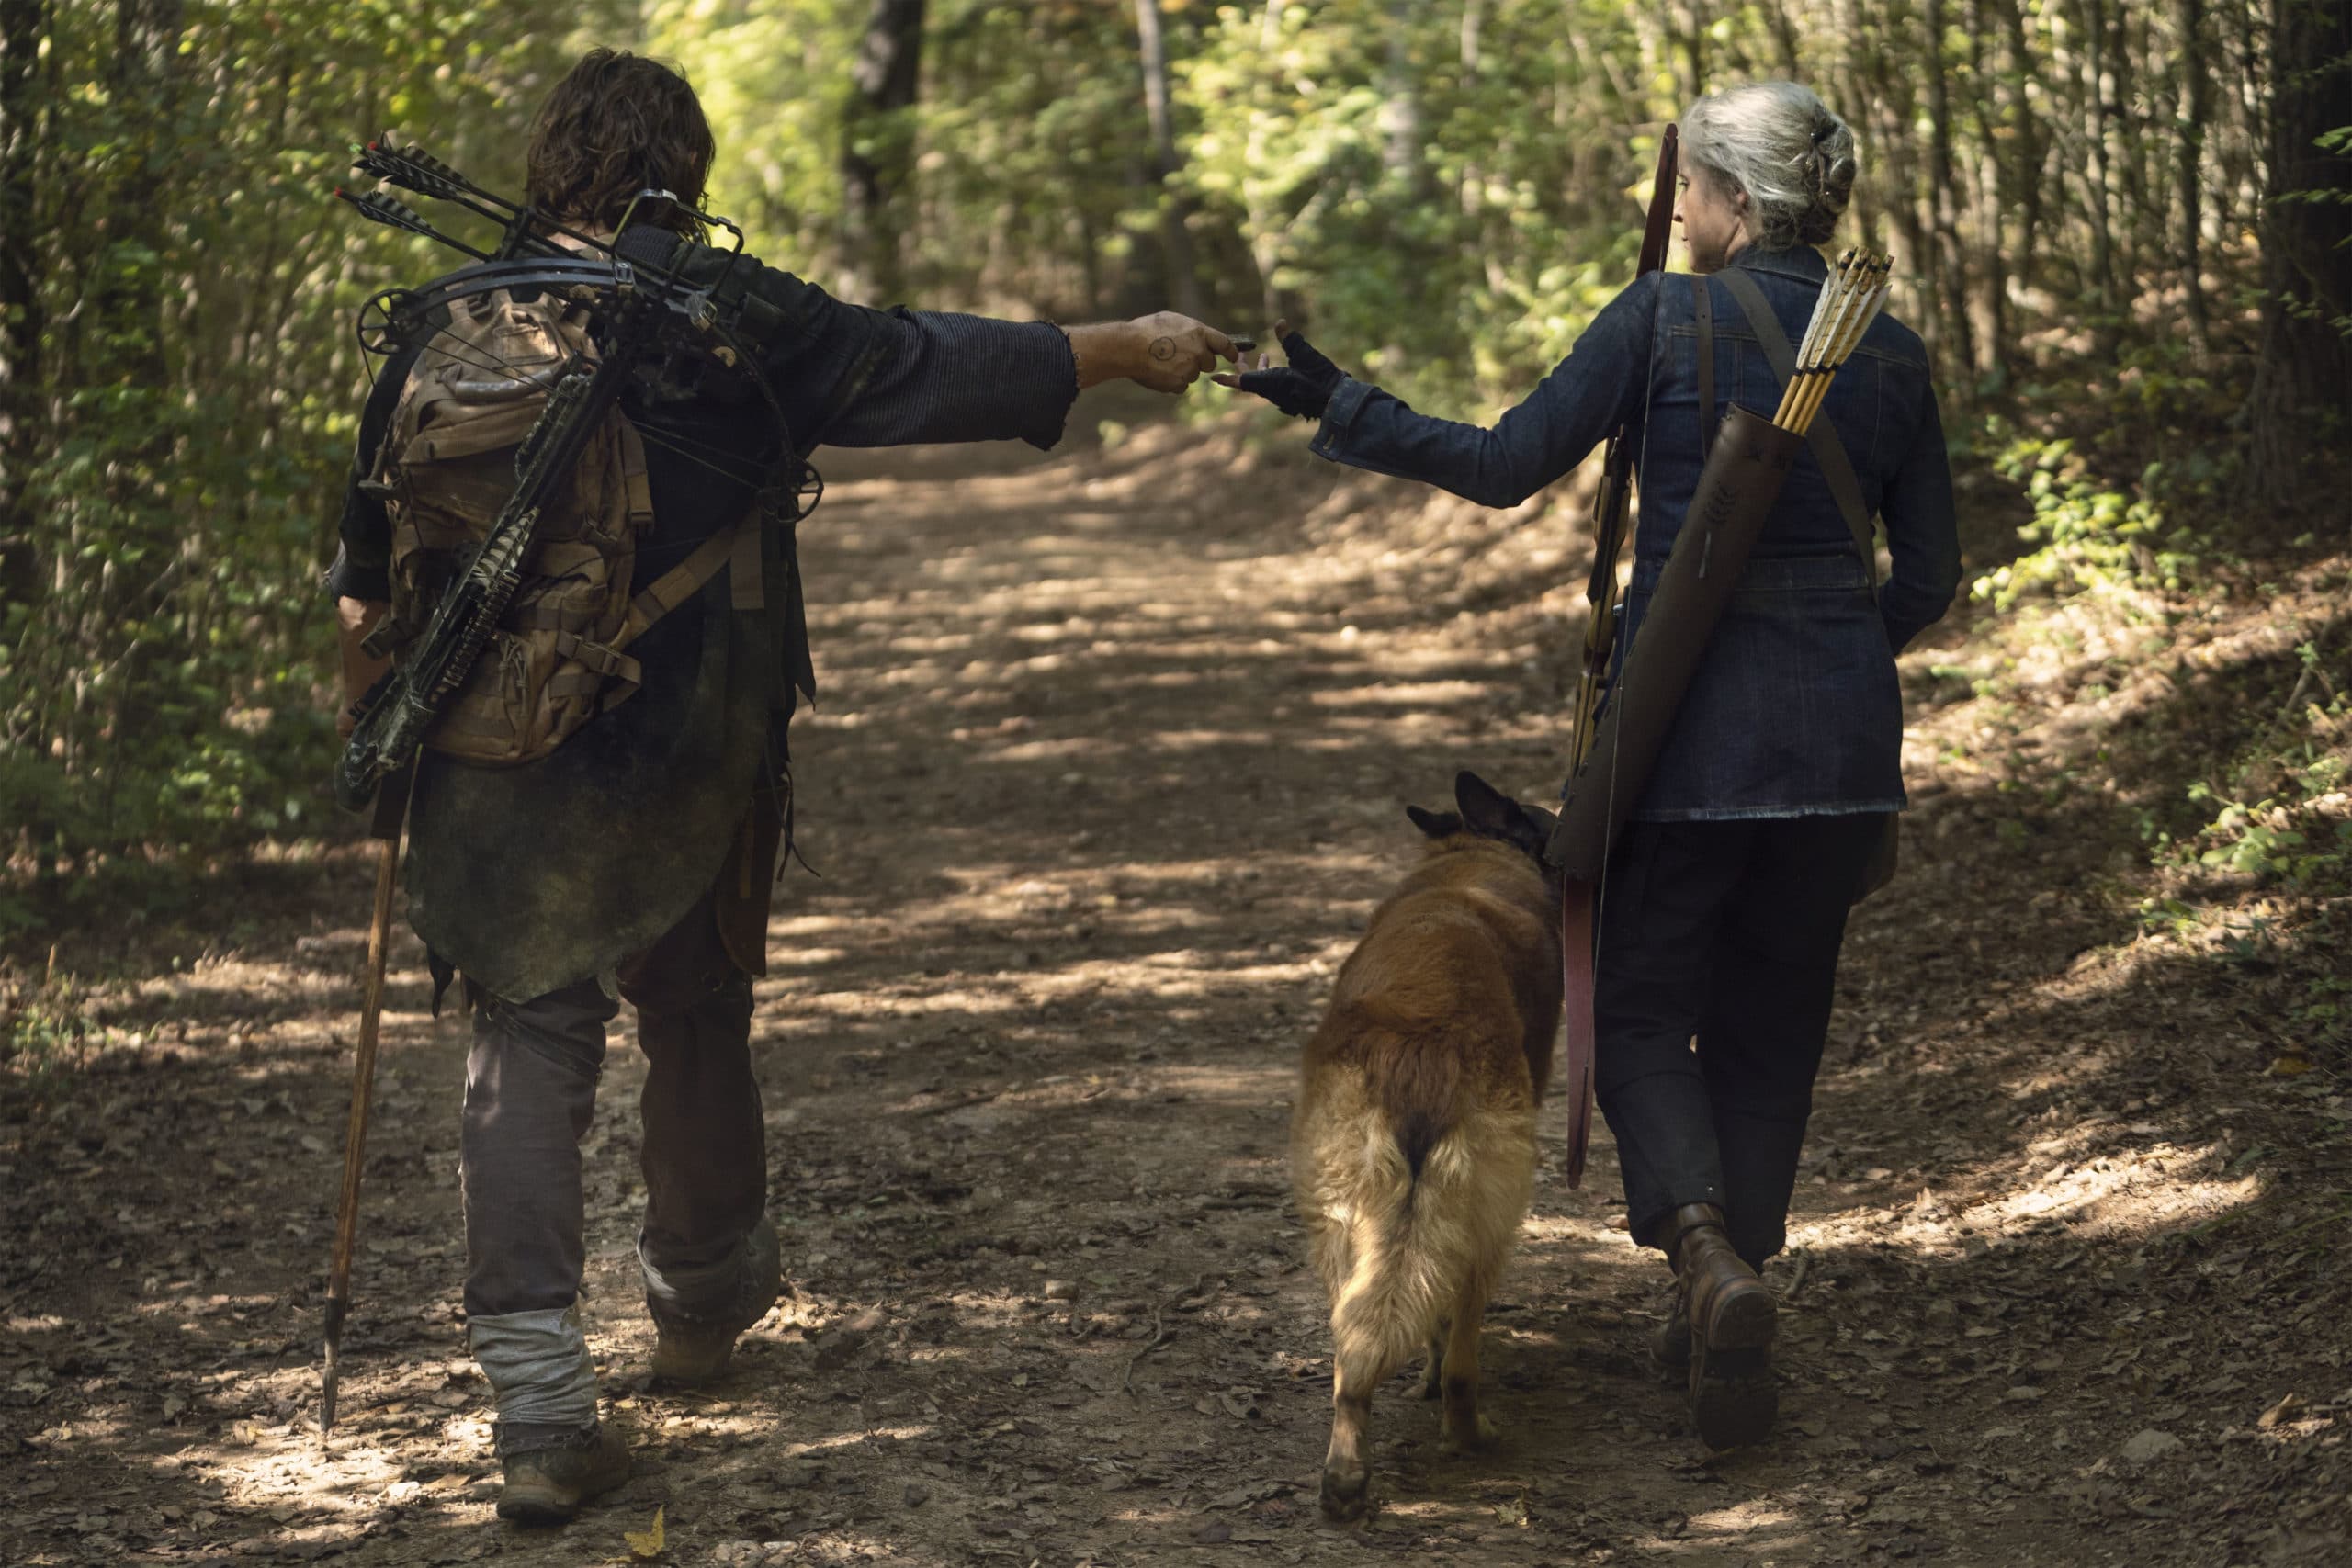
(1795, 710)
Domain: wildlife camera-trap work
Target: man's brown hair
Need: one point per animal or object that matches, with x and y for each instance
(617, 124)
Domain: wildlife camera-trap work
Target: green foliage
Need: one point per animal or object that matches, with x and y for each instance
(1442, 194)
(161, 684)
(2084, 535)
(1457, 264)
(2299, 831)
(42, 1030)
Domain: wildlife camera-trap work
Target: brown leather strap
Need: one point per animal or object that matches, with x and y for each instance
(1704, 299)
(641, 488)
(601, 657)
(1836, 467)
(682, 582)
(1576, 900)
(747, 572)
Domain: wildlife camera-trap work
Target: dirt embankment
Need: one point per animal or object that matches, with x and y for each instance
(1107, 774)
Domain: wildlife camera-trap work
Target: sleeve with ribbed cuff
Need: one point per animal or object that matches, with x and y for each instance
(953, 378)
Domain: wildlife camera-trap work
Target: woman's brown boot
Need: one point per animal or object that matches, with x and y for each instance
(1732, 1398)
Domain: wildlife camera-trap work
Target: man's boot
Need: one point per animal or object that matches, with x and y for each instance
(546, 1485)
(689, 1352)
(1670, 1341)
(1731, 1312)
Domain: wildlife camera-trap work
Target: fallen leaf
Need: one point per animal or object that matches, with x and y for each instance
(645, 1546)
(2285, 1410)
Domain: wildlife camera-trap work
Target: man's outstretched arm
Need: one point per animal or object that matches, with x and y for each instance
(942, 377)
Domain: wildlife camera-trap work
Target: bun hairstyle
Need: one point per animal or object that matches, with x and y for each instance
(1780, 144)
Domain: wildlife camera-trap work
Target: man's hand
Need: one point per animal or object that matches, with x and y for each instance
(353, 619)
(1301, 388)
(1163, 351)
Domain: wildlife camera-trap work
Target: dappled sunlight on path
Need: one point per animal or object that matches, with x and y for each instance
(1106, 775)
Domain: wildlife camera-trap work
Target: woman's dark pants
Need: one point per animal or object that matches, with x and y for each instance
(1718, 953)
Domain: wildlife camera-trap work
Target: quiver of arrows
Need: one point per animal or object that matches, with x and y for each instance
(1736, 492)
(1736, 489)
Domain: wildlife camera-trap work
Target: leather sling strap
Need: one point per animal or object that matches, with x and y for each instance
(683, 581)
(1703, 297)
(1835, 466)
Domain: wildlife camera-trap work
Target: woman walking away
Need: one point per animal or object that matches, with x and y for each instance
(1726, 901)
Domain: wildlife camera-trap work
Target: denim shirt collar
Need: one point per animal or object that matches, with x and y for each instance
(1800, 262)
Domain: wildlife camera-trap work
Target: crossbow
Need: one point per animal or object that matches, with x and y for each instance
(639, 299)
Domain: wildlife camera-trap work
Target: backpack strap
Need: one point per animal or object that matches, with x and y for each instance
(633, 475)
(1703, 297)
(1838, 469)
(683, 581)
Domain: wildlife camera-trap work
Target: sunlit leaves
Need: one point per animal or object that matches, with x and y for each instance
(202, 385)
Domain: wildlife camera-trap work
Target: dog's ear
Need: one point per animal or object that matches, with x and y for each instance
(1436, 824)
(1545, 824)
(1491, 814)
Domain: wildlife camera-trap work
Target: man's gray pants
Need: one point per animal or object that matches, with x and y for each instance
(530, 1093)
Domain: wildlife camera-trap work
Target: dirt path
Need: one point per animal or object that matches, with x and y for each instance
(1107, 774)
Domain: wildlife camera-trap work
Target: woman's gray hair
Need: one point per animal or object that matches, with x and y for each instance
(1780, 144)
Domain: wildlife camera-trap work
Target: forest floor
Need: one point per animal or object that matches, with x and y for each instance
(1108, 772)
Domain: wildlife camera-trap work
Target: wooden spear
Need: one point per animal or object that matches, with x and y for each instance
(384, 827)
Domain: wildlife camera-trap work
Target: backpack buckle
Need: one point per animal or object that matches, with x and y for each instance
(596, 656)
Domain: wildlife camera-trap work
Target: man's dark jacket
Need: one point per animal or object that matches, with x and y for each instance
(526, 879)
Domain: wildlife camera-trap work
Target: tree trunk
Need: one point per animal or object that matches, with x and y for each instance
(877, 150)
(2098, 178)
(2032, 149)
(2188, 157)
(1993, 200)
(1402, 156)
(1265, 222)
(1692, 16)
(1175, 234)
(2306, 360)
(1952, 262)
(127, 301)
(1784, 41)
(22, 23)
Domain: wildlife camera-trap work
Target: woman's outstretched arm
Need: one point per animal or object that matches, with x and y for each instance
(1599, 386)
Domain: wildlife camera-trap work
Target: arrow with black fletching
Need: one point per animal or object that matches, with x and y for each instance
(393, 213)
(412, 168)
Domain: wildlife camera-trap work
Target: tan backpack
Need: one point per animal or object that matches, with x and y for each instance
(448, 466)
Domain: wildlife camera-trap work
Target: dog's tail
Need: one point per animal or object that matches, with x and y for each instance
(1415, 1201)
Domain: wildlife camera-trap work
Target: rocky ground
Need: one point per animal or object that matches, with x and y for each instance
(1107, 775)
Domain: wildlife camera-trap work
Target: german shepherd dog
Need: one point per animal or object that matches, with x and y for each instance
(1413, 1146)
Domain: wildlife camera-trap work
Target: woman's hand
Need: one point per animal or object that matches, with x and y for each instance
(1301, 388)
